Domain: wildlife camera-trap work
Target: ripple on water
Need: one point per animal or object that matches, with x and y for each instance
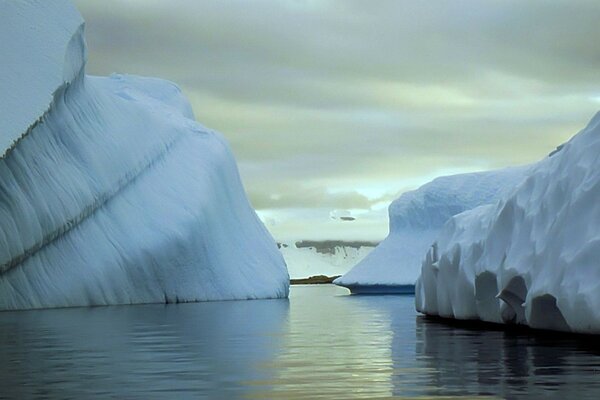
(321, 343)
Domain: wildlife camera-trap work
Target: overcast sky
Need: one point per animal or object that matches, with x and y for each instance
(342, 105)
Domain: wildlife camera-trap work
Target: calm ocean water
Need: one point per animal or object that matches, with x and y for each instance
(321, 343)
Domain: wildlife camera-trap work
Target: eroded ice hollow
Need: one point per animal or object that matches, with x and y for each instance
(533, 257)
(415, 219)
(110, 191)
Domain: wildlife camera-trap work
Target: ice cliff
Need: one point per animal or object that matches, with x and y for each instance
(531, 258)
(416, 218)
(110, 192)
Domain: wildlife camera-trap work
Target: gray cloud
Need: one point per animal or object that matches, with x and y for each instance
(353, 97)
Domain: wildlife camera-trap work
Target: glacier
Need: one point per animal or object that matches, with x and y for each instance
(531, 258)
(331, 258)
(415, 219)
(110, 191)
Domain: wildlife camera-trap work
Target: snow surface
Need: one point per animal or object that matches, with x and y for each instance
(114, 194)
(531, 258)
(417, 217)
(36, 60)
(307, 261)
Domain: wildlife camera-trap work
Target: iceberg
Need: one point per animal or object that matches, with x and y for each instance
(531, 258)
(305, 258)
(416, 218)
(110, 191)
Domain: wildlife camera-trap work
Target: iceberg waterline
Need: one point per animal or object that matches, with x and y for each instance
(115, 195)
(532, 258)
(415, 220)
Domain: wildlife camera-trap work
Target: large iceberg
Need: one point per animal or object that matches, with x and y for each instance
(533, 257)
(110, 192)
(416, 218)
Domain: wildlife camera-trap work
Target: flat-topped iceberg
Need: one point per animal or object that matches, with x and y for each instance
(110, 192)
(533, 257)
(416, 218)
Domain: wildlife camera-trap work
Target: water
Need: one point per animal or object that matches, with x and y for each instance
(321, 343)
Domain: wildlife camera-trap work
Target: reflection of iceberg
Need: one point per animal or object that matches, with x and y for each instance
(213, 349)
(110, 192)
(532, 257)
(416, 218)
(465, 362)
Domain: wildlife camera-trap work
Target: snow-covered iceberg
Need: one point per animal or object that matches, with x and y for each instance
(110, 192)
(533, 257)
(307, 258)
(416, 218)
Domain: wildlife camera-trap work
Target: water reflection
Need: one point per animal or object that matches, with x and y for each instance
(337, 346)
(321, 343)
(139, 351)
(507, 364)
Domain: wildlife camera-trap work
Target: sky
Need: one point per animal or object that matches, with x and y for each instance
(334, 108)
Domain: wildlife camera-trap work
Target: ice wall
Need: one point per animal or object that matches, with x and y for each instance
(531, 258)
(113, 194)
(417, 217)
(42, 48)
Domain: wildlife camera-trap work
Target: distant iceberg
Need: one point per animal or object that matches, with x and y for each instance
(110, 192)
(307, 258)
(531, 258)
(416, 218)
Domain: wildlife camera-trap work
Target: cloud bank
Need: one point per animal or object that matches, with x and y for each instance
(343, 104)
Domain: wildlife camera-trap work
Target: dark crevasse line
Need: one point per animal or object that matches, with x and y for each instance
(99, 202)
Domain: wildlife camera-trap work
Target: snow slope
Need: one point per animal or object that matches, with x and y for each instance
(416, 218)
(531, 258)
(112, 193)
